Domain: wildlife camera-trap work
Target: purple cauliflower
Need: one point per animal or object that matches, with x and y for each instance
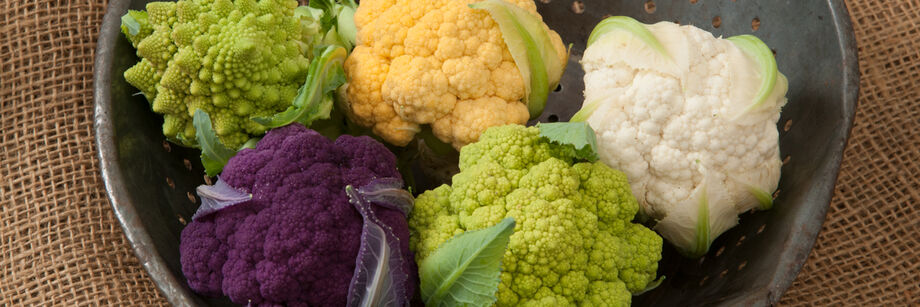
(295, 242)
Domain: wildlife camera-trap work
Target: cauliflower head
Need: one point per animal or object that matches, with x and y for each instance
(233, 59)
(295, 242)
(691, 120)
(436, 62)
(574, 242)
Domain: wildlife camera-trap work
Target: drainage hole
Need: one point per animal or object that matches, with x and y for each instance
(578, 7)
(650, 6)
(191, 197)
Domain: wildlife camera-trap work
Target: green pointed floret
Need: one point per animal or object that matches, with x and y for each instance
(531, 48)
(232, 59)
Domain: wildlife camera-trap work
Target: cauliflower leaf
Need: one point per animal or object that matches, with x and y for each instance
(464, 271)
(214, 154)
(532, 49)
(217, 197)
(315, 98)
(377, 281)
(577, 134)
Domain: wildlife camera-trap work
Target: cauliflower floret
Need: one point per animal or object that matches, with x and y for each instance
(678, 120)
(233, 59)
(574, 243)
(439, 63)
(294, 243)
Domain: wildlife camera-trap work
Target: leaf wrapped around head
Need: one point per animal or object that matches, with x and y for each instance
(217, 197)
(389, 193)
(378, 279)
(531, 48)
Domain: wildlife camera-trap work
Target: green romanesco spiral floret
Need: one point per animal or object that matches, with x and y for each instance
(233, 59)
(574, 243)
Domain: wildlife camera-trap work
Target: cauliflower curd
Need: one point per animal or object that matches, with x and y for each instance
(574, 242)
(235, 60)
(691, 120)
(434, 62)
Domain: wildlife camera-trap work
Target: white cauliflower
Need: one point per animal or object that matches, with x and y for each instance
(690, 118)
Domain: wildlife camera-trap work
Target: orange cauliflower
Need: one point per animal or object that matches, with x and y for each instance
(441, 63)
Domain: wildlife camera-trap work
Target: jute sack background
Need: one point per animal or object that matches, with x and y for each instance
(61, 244)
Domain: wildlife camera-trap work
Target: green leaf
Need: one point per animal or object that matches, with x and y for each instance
(334, 21)
(651, 286)
(135, 27)
(465, 270)
(531, 48)
(328, 9)
(315, 98)
(757, 50)
(311, 21)
(214, 154)
(577, 134)
(630, 25)
(435, 144)
(587, 108)
(129, 24)
(251, 143)
(702, 229)
(764, 198)
(345, 24)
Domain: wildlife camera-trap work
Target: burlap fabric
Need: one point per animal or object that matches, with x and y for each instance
(61, 244)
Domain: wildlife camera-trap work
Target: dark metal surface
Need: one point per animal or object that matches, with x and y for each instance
(150, 182)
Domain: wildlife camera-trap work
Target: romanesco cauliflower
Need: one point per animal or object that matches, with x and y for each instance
(233, 59)
(574, 242)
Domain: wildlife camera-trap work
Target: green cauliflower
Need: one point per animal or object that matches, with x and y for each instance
(233, 59)
(574, 243)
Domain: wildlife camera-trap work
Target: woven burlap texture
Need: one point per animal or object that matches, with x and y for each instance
(868, 252)
(61, 244)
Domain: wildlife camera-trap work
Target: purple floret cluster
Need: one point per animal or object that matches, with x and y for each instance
(295, 242)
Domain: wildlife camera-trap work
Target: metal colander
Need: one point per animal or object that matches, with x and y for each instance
(151, 183)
